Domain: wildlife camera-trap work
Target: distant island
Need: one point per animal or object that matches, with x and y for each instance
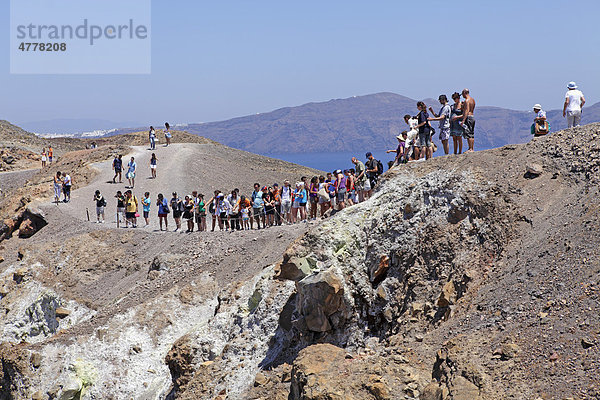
(359, 122)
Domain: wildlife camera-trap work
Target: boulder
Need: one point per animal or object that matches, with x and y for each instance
(448, 295)
(293, 268)
(320, 296)
(32, 221)
(534, 169)
(377, 274)
(62, 312)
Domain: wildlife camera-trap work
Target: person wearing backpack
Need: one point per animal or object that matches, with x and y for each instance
(100, 204)
(177, 206)
(163, 210)
(374, 169)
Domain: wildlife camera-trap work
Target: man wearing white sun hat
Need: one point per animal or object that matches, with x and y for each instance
(574, 101)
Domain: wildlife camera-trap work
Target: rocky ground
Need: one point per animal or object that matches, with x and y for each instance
(465, 277)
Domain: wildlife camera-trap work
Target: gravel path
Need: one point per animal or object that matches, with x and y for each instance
(182, 168)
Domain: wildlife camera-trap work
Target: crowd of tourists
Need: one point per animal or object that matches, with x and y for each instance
(305, 200)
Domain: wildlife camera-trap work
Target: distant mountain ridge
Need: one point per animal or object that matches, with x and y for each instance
(360, 122)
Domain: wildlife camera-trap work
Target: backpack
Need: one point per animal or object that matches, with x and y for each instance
(542, 127)
(379, 167)
(103, 202)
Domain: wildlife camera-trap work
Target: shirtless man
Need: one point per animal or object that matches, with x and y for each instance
(468, 120)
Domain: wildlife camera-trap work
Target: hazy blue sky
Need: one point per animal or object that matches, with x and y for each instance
(216, 60)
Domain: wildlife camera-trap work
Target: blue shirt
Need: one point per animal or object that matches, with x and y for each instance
(162, 208)
(257, 198)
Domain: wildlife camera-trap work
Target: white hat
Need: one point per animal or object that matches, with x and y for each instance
(537, 107)
(572, 85)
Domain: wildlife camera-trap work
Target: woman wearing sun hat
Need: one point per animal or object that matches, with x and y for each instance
(540, 126)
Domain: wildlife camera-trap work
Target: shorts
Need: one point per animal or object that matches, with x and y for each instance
(286, 206)
(146, 214)
(130, 215)
(160, 215)
(296, 204)
(50, 158)
(120, 210)
(130, 175)
(258, 212)
(444, 133)
(67, 189)
(367, 185)
(176, 214)
(360, 186)
(223, 215)
(199, 217)
(469, 128)
(323, 201)
(352, 196)
(152, 166)
(303, 204)
(117, 171)
(424, 140)
(99, 210)
(270, 210)
(341, 195)
(245, 219)
(457, 131)
(314, 199)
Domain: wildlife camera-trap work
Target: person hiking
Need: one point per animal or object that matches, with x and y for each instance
(146, 202)
(100, 204)
(163, 211)
(340, 188)
(120, 207)
(424, 131)
(400, 150)
(373, 171)
(361, 176)
(167, 134)
(222, 211)
(258, 206)
(201, 213)
(188, 213)
(67, 183)
(131, 209)
(324, 200)
(277, 198)
(574, 101)
(456, 129)
(57, 186)
(153, 161)
(177, 207)
(468, 120)
(286, 202)
(350, 188)
(269, 202)
(212, 209)
(540, 126)
(131, 166)
(44, 157)
(413, 137)
(152, 138)
(234, 214)
(50, 154)
(444, 117)
(118, 167)
(313, 196)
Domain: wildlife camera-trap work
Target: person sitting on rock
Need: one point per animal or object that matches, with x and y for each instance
(540, 126)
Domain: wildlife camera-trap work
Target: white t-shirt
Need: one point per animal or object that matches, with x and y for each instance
(286, 194)
(574, 97)
(67, 180)
(445, 111)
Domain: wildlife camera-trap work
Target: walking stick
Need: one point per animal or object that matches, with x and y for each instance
(88, 213)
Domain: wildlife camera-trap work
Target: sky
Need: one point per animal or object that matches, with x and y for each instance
(217, 60)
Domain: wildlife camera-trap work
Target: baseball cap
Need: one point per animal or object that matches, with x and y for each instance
(369, 154)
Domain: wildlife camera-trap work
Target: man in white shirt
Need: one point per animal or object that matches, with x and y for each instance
(574, 101)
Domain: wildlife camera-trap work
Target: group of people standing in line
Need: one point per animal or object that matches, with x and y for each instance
(266, 206)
